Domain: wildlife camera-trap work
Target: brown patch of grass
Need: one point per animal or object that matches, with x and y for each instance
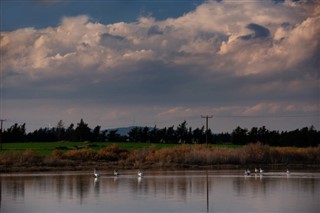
(28, 157)
(80, 155)
(193, 155)
(293, 155)
(56, 159)
(112, 153)
(184, 155)
(254, 153)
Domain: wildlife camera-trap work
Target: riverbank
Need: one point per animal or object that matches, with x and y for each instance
(110, 168)
(179, 157)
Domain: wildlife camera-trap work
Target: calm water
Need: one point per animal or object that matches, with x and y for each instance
(160, 191)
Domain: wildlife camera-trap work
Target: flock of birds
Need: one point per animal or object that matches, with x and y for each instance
(260, 171)
(247, 172)
(115, 173)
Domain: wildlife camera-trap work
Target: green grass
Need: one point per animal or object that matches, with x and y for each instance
(46, 148)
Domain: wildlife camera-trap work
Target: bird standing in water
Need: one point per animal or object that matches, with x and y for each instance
(96, 174)
(140, 174)
(247, 172)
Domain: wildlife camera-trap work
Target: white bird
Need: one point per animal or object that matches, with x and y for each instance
(115, 173)
(96, 174)
(140, 174)
(247, 172)
(256, 170)
(261, 171)
(288, 172)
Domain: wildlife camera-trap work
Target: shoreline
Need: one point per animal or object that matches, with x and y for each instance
(108, 166)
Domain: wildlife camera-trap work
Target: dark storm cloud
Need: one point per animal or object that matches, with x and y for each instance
(154, 30)
(107, 36)
(258, 32)
(113, 41)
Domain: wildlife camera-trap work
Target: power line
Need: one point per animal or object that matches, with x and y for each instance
(268, 116)
(207, 118)
(1, 125)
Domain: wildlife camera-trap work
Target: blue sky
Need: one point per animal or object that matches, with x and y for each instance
(122, 63)
(39, 14)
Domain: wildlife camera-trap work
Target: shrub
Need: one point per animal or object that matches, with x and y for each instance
(57, 159)
(255, 153)
(9, 158)
(112, 153)
(80, 155)
(29, 157)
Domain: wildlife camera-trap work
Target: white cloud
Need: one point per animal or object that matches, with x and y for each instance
(231, 56)
(208, 30)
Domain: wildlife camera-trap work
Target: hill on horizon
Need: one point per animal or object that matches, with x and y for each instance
(123, 131)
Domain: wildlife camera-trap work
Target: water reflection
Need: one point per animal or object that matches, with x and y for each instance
(160, 191)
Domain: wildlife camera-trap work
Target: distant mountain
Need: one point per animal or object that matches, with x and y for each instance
(124, 130)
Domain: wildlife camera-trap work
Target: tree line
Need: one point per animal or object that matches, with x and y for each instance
(304, 137)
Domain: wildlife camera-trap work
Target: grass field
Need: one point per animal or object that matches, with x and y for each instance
(46, 148)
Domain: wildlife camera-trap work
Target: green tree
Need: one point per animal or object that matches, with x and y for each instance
(240, 136)
(16, 133)
(171, 135)
(182, 132)
(134, 134)
(97, 135)
(70, 134)
(82, 132)
(199, 135)
(60, 130)
(113, 136)
(154, 135)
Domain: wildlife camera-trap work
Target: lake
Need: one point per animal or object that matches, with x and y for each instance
(160, 191)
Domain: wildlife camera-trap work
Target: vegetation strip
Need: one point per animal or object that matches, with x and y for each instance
(114, 156)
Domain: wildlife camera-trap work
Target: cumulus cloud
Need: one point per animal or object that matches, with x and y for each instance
(258, 56)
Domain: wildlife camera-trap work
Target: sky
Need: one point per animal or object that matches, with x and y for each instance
(118, 63)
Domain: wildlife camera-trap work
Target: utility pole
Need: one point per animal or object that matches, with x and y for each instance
(207, 118)
(1, 125)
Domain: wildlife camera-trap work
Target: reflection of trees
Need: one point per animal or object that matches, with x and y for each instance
(260, 185)
(59, 186)
(305, 185)
(171, 187)
(16, 187)
(73, 185)
(63, 186)
(69, 186)
(255, 185)
(66, 187)
(82, 187)
(182, 187)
